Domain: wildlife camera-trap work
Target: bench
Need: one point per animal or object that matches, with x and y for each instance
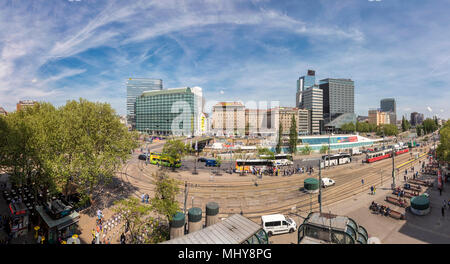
(411, 187)
(395, 201)
(420, 182)
(392, 213)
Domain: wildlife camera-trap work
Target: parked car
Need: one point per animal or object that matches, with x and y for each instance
(212, 163)
(326, 182)
(142, 157)
(277, 224)
(201, 159)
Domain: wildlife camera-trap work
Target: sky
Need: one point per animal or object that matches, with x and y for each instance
(249, 51)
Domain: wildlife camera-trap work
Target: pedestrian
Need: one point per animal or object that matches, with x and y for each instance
(440, 191)
(404, 177)
(122, 238)
(143, 198)
(442, 210)
(371, 190)
(362, 181)
(374, 190)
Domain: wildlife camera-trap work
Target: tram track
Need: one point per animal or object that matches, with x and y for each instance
(342, 191)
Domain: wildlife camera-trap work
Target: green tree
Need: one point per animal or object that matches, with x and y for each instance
(136, 214)
(175, 149)
(443, 149)
(265, 152)
(324, 149)
(164, 202)
(405, 124)
(293, 136)
(306, 150)
(429, 126)
(95, 144)
(419, 130)
(81, 144)
(280, 139)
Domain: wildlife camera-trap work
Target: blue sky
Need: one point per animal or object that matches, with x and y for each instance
(235, 50)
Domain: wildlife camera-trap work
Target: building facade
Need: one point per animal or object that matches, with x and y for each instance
(304, 121)
(378, 117)
(416, 119)
(388, 105)
(255, 121)
(228, 118)
(25, 103)
(176, 111)
(338, 98)
(135, 88)
(313, 101)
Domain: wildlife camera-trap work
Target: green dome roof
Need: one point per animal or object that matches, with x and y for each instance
(420, 202)
(195, 214)
(178, 220)
(311, 184)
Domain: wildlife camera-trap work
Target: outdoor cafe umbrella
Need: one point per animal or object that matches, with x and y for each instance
(73, 240)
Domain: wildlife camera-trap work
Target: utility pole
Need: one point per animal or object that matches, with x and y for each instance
(393, 170)
(329, 149)
(185, 195)
(320, 189)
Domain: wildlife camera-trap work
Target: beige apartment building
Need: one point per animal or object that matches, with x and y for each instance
(25, 103)
(228, 118)
(378, 117)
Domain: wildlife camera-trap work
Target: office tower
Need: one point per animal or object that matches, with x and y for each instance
(176, 111)
(338, 102)
(313, 101)
(302, 83)
(388, 105)
(135, 88)
(416, 119)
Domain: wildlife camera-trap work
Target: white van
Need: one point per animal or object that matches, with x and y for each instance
(327, 182)
(277, 224)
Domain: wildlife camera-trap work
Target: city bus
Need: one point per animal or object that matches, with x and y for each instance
(248, 165)
(280, 159)
(158, 158)
(334, 160)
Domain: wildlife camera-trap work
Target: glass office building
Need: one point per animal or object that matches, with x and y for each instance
(135, 87)
(174, 111)
(302, 83)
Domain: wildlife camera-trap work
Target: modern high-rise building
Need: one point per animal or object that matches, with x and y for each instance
(313, 101)
(388, 105)
(228, 118)
(302, 83)
(135, 88)
(25, 103)
(176, 111)
(338, 97)
(338, 102)
(416, 119)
